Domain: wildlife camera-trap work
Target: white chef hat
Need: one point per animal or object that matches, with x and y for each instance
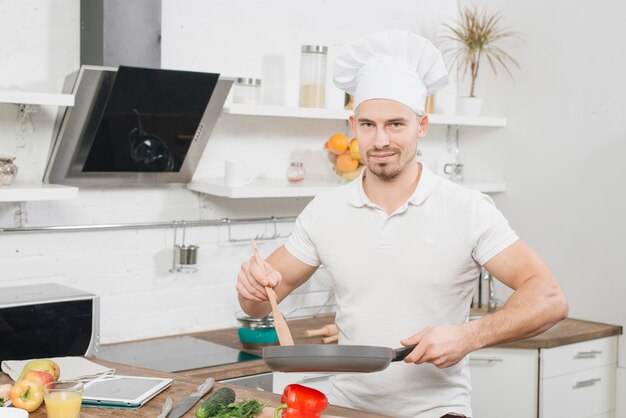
(396, 65)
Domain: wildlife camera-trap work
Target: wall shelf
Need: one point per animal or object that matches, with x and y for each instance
(341, 114)
(261, 188)
(270, 188)
(32, 192)
(25, 97)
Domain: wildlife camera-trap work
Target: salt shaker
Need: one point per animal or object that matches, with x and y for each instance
(295, 172)
(313, 76)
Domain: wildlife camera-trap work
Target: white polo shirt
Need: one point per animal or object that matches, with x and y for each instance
(394, 275)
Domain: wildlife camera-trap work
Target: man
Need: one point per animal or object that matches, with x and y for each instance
(404, 247)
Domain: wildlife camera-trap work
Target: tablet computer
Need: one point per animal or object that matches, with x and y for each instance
(114, 391)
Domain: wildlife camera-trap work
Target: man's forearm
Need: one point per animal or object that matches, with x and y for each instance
(255, 309)
(533, 308)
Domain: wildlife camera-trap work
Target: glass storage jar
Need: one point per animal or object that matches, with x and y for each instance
(8, 170)
(247, 91)
(313, 76)
(295, 172)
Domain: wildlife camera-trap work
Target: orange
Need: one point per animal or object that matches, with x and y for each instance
(337, 143)
(346, 163)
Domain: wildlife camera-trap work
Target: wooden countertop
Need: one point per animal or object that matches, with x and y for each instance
(181, 387)
(565, 332)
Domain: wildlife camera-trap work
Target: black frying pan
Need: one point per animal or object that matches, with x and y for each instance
(332, 358)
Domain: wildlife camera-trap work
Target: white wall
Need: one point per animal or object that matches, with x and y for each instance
(564, 152)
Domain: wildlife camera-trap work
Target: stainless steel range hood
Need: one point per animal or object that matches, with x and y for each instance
(135, 126)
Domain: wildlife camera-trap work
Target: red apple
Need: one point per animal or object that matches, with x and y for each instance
(27, 394)
(42, 377)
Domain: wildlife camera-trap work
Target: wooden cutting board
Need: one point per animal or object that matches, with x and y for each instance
(268, 412)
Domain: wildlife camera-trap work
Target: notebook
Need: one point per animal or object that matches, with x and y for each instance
(114, 391)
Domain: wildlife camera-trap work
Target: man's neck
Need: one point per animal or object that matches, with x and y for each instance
(391, 194)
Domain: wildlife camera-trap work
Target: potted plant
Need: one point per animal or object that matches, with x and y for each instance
(476, 36)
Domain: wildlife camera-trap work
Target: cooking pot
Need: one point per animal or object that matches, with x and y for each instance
(256, 332)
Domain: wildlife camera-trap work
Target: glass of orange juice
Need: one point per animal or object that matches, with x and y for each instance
(63, 399)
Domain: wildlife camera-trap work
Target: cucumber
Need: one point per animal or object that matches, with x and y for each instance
(211, 405)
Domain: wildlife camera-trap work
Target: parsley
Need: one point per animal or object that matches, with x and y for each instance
(245, 409)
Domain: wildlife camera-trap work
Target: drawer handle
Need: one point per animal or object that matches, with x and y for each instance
(307, 379)
(586, 383)
(587, 354)
(491, 359)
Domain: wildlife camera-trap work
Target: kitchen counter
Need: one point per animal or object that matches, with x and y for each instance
(181, 387)
(568, 331)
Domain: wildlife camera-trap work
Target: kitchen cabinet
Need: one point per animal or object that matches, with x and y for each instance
(574, 380)
(578, 380)
(273, 188)
(504, 380)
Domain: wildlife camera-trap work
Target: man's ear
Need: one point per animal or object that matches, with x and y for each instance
(424, 124)
(352, 120)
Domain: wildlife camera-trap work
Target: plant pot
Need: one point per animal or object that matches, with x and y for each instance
(469, 106)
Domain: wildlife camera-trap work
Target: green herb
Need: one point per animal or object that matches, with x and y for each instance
(245, 409)
(1, 401)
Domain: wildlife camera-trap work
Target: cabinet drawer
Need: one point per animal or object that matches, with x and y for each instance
(517, 396)
(578, 395)
(576, 357)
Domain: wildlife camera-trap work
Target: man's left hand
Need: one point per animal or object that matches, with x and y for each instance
(443, 345)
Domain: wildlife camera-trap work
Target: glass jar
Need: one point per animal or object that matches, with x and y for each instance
(313, 76)
(247, 91)
(8, 170)
(295, 172)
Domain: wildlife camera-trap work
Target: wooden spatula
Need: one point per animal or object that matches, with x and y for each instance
(282, 329)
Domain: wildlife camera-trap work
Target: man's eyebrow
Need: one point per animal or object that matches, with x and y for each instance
(394, 120)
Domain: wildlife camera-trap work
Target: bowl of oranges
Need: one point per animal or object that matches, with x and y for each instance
(343, 153)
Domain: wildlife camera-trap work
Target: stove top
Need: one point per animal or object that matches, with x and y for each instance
(173, 354)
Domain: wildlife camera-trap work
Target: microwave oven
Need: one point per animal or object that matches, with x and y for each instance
(47, 320)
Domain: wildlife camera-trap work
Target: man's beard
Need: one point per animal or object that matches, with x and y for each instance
(387, 171)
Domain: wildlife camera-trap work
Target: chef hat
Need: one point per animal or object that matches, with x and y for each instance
(396, 65)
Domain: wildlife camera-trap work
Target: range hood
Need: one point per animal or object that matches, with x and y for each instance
(135, 126)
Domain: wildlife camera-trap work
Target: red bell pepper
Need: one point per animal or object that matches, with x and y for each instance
(301, 402)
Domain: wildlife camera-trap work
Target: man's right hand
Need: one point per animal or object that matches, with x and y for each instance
(252, 279)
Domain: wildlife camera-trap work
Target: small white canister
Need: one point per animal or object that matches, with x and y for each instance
(247, 91)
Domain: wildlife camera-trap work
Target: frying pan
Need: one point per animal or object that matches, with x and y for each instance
(332, 358)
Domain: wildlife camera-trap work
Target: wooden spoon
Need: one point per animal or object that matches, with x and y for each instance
(282, 329)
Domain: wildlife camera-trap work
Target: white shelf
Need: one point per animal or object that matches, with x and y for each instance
(458, 120)
(485, 186)
(25, 97)
(341, 114)
(287, 112)
(29, 192)
(262, 188)
(268, 188)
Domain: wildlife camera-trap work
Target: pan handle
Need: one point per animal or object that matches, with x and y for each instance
(401, 353)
